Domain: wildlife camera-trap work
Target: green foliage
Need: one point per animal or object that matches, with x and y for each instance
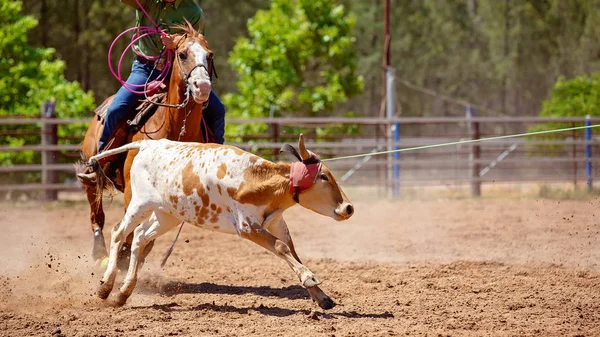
(579, 96)
(299, 58)
(566, 193)
(29, 77)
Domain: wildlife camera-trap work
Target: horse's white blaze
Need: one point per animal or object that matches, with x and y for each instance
(199, 74)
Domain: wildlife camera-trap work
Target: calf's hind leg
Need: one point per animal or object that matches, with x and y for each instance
(158, 224)
(281, 231)
(134, 215)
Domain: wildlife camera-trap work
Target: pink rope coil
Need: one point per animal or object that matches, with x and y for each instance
(141, 32)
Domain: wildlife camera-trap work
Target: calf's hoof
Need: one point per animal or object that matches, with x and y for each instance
(121, 299)
(104, 291)
(327, 303)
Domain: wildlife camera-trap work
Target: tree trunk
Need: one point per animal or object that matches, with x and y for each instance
(44, 23)
(506, 51)
(77, 39)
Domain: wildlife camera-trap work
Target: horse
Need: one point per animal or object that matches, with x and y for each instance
(176, 118)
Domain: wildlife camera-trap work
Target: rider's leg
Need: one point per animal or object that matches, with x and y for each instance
(214, 115)
(125, 101)
(122, 106)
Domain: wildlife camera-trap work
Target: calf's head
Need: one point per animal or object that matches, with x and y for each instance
(314, 186)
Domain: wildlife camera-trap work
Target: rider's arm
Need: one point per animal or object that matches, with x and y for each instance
(133, 3)
(168, 41)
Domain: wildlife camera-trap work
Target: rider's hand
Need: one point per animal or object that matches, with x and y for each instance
(168, 41)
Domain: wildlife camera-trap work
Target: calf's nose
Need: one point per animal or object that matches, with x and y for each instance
(349, 209)
(345, 210)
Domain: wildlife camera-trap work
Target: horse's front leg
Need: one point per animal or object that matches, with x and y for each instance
(97, 220)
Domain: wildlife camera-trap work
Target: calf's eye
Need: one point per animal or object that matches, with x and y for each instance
(324, 177)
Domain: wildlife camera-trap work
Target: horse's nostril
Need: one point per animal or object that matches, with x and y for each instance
(349, 209)
(202, 86)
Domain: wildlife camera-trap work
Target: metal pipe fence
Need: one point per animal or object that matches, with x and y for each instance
(565, 157)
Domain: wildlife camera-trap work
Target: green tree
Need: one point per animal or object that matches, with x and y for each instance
(579, 96)
(30, 76)
(299, 59)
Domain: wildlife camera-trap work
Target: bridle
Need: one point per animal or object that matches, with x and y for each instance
(210, 70)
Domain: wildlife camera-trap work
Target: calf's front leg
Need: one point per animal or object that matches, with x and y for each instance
(266, 240)
(278, 227)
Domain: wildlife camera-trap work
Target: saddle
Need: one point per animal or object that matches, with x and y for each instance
(112, 165)
(144, 111)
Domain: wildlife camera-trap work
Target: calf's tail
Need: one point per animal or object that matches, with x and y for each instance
(103, 182)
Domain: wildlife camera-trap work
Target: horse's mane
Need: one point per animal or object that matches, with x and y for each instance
(191, 33)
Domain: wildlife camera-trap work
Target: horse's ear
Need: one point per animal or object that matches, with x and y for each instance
(302, 149)
(178, 39)
(189, 26)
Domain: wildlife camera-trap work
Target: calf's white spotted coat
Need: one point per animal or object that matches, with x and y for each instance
(220, 188)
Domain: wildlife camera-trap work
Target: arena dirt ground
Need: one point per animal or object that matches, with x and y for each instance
(491, 267)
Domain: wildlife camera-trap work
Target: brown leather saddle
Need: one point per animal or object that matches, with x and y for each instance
(112, 166)
(123, 132)
(143, 112)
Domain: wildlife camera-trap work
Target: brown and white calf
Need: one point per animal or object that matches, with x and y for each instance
(225, 189)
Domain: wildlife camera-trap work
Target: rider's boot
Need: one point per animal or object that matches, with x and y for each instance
(88, 176)
(118, 138)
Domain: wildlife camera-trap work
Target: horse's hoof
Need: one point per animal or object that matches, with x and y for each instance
(99, 250)
(102, 263)
(327, 303)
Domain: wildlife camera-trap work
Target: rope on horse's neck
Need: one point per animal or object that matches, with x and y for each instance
(182, 132)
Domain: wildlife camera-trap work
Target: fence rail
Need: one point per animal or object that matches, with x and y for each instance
(568, 158)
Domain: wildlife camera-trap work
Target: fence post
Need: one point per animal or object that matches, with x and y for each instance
(275, 138)
(588, 152)
(391, 134)
(475, 153)
(396, 160)
(49, 137)
(574, 155)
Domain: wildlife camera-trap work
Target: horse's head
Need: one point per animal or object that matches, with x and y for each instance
(317, 188)
(193, 63)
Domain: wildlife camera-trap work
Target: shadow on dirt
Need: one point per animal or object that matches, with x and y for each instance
(265, 310)
(294, 292)
(291, 292)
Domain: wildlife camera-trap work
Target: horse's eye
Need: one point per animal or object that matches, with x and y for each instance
(183, 55)
(324, 177)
